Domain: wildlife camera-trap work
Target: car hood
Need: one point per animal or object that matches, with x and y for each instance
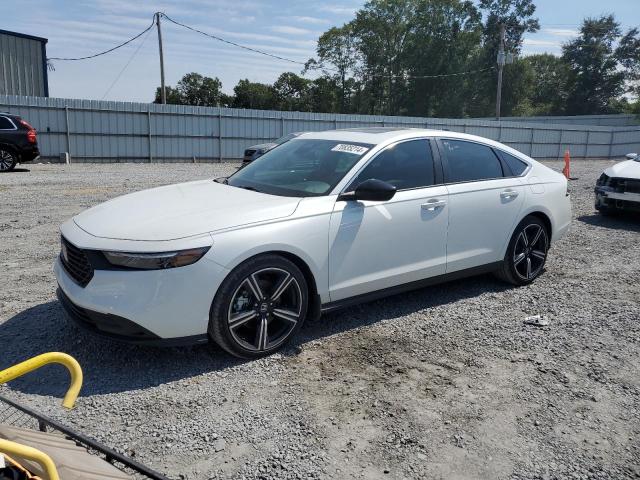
(265, 147)
(626, 169)
(182, 210)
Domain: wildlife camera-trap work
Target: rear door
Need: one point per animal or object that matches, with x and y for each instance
(485, 200)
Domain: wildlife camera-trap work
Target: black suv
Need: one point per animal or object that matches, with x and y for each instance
(18, 142)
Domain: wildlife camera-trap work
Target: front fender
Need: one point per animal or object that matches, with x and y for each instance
(306, 238)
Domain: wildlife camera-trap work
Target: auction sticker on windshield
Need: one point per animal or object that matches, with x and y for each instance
(346, 147)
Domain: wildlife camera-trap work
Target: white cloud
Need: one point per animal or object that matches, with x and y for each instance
(561, 32)
(286, 29)
(540, 43)
(339, 9)
(312, 20)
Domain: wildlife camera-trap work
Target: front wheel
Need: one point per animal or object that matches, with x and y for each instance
(259, 307)
(8, 160)
(527, 252)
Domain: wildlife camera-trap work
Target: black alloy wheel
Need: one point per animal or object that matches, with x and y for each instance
(8, 160)
(259, 306)
(527, 252)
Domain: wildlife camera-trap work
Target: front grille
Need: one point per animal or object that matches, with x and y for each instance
(76, 263)
(630, 185)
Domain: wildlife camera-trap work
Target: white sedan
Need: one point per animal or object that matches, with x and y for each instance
(326, 220)
(618, 188)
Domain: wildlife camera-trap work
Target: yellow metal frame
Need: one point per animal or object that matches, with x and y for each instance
(29, 453)
(35, 363)
(11, 373)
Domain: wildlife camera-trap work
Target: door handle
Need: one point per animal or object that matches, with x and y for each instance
(431, 205)
(508, 194)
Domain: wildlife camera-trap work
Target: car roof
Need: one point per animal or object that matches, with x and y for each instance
(378, 135)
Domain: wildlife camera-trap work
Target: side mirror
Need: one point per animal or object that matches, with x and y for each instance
(632, 156)
(373, 190)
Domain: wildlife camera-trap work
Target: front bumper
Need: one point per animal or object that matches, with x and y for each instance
(119, 328)
(150, 307)
(606, 197)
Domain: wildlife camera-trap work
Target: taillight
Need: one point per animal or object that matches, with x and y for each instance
(31, 134)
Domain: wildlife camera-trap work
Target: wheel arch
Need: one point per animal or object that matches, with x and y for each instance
(8, 146)
(314, 298)
(315, 302)
(544, 218)
(535, 212)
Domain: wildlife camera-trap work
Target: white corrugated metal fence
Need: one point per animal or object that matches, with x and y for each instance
(105, 131)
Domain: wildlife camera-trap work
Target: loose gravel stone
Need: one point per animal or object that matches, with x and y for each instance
(443, 382)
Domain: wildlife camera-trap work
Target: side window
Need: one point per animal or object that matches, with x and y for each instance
(404, 165)
(5, 124)
(470, 161)
(516, 165)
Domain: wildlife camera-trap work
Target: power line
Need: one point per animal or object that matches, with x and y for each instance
(106, 51)
(126, 64)
(297, 62)
(220, 39)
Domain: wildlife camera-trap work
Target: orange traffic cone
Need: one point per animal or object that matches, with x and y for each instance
(566, 171)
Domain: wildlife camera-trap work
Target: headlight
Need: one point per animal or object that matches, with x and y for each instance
(155, 261)
(603, 180)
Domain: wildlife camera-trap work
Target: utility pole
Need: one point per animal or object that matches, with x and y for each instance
(163, 93)
(501, 62)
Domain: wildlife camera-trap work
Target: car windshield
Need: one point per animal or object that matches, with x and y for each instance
(300, 168)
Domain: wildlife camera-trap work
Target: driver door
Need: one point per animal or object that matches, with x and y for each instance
(378, 245)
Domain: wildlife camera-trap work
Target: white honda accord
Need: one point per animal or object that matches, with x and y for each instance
(323, 221)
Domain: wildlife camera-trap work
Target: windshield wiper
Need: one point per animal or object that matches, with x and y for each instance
(247, 187)
(223, 180)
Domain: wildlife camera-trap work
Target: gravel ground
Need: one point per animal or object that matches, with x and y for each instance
(444, 382)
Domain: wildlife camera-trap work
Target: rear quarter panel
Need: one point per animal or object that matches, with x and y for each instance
(548, 194)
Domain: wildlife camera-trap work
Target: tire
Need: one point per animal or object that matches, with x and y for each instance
(606, 211)
(527, 252)
(259, 307)
(8, 160)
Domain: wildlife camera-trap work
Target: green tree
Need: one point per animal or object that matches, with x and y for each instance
(382, 30)
(324, 95)
(547, 80)
(197, 89)
(595, 80)
(518, 18)
(338, 59)
(194, 89)
(173, 96)
(444, 40)
(628, 54)
(249, 94)
(292, 92)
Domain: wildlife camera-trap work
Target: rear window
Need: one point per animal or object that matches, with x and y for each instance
(468, 161)
(5, 124)
(516, 165)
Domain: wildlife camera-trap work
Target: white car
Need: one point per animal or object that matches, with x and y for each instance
(326, 220)
(618, 188)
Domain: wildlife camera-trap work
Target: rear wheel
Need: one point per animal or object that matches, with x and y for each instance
(8, 160)
(527, 252)
(259, 307)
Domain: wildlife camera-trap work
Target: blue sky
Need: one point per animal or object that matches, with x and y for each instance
(286, 28)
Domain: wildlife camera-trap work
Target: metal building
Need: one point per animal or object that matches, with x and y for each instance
(23, 65)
